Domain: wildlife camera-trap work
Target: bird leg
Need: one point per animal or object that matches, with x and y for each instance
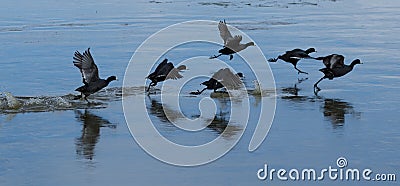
(148, 88)
(84, 97)
(215, 56)
(316, 85)
(198, 92)
(151, 84)
(299, 71)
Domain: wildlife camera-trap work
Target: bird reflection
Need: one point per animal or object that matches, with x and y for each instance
(157, 109)
(219, 124)
(85, 144)
(335, 110)
(292, 93)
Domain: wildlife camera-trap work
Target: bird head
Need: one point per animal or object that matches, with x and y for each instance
(310, 50)
(355, 62)
(250, 44)
(111, 78)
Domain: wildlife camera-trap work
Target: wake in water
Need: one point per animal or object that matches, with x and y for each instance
(19, 104)
(15, 104)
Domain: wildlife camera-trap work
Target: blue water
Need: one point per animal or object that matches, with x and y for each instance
(354, 116)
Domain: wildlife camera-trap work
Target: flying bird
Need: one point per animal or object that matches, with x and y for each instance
(232, 45)
(334, 67)
(90, 75)
(165, 70)
(294, 56)
(224, 78)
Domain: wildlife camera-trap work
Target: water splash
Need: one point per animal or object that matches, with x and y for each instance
(10, 104)
(258, 91)
(19, 104)
(11, 101)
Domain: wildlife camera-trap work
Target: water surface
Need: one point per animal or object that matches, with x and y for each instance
(52, 139)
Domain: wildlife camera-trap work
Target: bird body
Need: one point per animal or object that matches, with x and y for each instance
(212, 84)
(90, 74)
(165, 70)
(294, 56)
(95, 86)
(334, 67)
(232, 44)
(223, 78)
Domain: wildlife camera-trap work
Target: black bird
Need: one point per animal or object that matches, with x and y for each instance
(165, 70)
(294, 56)
(334, 67)
(231, 44)
(224, 78)
(90, 75)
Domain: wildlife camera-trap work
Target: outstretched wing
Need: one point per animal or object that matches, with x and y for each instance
(161, 65)
(86, 65)
(224, 32)
(158, 72)
(174, 74)
(228, 79)
(234, 42)
(167, 71)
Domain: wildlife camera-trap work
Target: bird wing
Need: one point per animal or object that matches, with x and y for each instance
(234, 42)
(334, 61)
(86, 65)
(174, 74)
(327, 61)
(224, 32)
(168, 71)
(337, 61)
(161, 65)
(157, 72)
(227, 79)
